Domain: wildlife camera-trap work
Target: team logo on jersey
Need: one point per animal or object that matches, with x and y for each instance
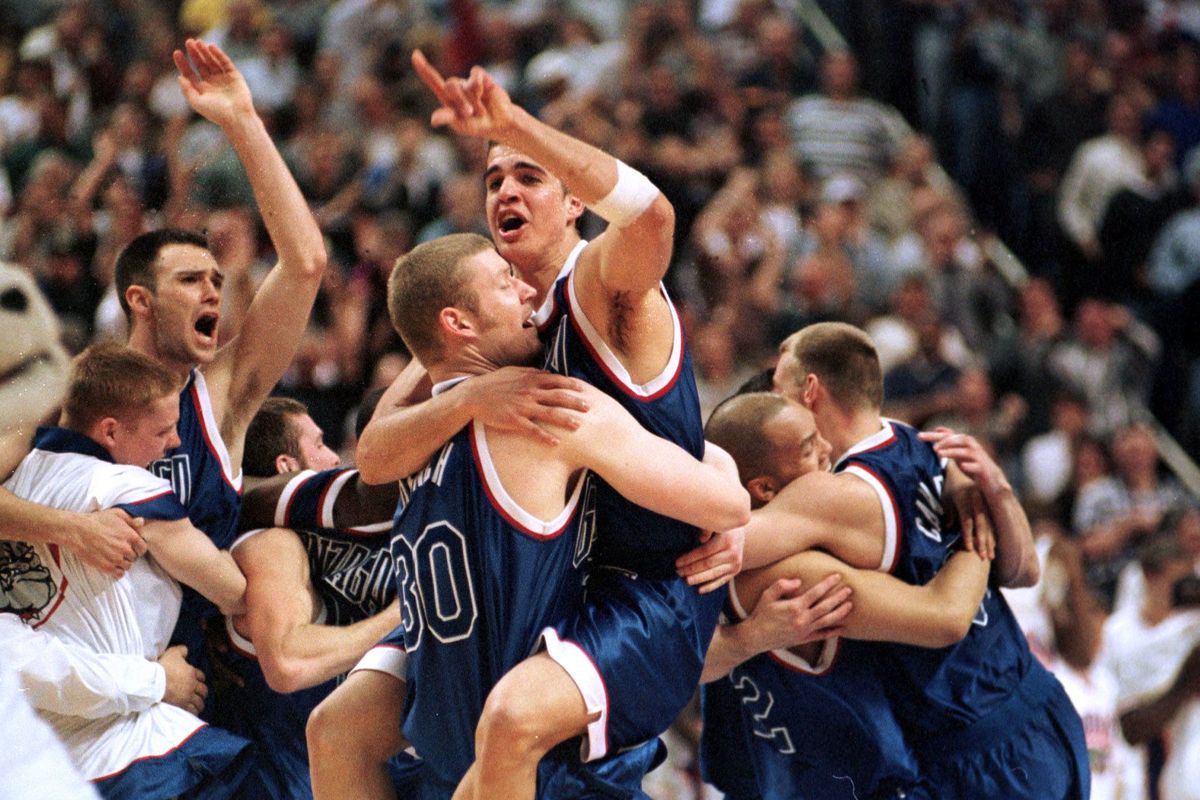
(178, 470)
(928, 517)
(26, 584)
(587, 524)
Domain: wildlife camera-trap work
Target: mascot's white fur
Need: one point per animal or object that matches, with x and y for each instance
(33, 365)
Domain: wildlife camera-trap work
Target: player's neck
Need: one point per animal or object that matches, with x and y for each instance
(142, 340)
(541, 276)
(844, 429)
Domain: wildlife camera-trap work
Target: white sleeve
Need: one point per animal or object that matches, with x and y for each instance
(32, 755)
(72, 680)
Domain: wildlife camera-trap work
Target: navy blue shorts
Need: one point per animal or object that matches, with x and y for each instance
(1031, 746)
(211, 764)
(635, 650)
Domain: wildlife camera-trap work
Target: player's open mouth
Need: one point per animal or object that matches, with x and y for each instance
(206, 326)
(24, 366)
(510, 223)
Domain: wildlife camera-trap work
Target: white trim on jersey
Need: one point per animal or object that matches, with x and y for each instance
(881, 436)
(786, 657)
(891, 520)
(285, 497)
(386, 658)
(612, 365)
(542, 315)
(590, 682)
(325, 511)
(532, 525)
(239, 541)
(212, 431)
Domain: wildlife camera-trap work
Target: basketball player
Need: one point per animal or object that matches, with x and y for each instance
(317, 599)
(813, 721)
(169, 285)
(119, 415)
(594, 297)
(498, 511)
(985, 719)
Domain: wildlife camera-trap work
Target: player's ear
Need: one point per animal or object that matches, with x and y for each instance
(138, 297)
(762, 490)
(285, 463)
(105, 431)
(811, 386)
(575, 208)
(455, 322)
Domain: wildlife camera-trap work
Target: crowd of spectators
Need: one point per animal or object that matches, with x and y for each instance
(867, 185)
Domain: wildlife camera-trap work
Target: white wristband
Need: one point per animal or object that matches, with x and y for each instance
(632, 195)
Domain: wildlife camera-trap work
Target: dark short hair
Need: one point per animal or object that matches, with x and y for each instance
(135, 264)
(843, 357)
(113, 380)
(427, 279)
(271, 435)
(737, 425)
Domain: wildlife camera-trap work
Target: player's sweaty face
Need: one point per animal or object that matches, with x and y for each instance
(507, 335)
(528, 209)
(187, 303)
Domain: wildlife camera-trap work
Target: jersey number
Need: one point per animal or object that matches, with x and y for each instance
(758, 705)
(437, 592)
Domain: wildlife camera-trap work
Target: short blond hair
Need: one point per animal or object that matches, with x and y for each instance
(843, 357)
(112, 380)
(427, 279)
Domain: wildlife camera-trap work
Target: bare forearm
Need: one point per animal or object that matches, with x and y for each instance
(21, 520)
(400, 441)
(1147, 721)
(588, 172)
(285, 213)
(727, 650)
(312, 654)
(1016, 557)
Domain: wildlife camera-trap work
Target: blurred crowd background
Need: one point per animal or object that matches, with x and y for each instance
(1004, 193)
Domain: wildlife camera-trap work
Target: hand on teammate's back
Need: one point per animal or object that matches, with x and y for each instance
(715, 562)
(185, 684)
(109, 540)
(982, 476)
(527, 400)
(786, 617)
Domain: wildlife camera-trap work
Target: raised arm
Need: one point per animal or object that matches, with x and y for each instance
(1016, 556)
(190, 557)
(652, 472)
(295, 652)
(633, 255)
(249, 366)
(409, 426)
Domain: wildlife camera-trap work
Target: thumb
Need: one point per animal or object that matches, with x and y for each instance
(781, 587)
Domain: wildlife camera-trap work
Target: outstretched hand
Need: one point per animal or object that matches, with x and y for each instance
(474, 106)
(213, 86)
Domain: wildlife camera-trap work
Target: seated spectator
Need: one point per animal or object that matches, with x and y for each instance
(1109, 358)
(924, 385)
(119, 415)
(1113, 514)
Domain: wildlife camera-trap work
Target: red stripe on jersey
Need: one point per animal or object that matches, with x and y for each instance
(212, 448)
(500, 508)
(147, 758)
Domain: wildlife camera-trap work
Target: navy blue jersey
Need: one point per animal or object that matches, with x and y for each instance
(823, 730)
(352, 573)
(202, 476)
(634, 539)
(351, 569)
(479, 579)
(199, 469)
(934, 690)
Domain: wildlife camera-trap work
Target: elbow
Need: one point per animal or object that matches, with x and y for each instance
(734, 512)
(370, 466)
(953, 630)
(284, 675)
(1027, 573)
(313, 261)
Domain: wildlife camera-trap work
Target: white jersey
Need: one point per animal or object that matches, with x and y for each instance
(1145, 661)
(56, 593)
(1094, 695)
(33, 762)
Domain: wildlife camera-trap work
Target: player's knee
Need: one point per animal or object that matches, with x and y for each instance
(322, 730)
(513, 723)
